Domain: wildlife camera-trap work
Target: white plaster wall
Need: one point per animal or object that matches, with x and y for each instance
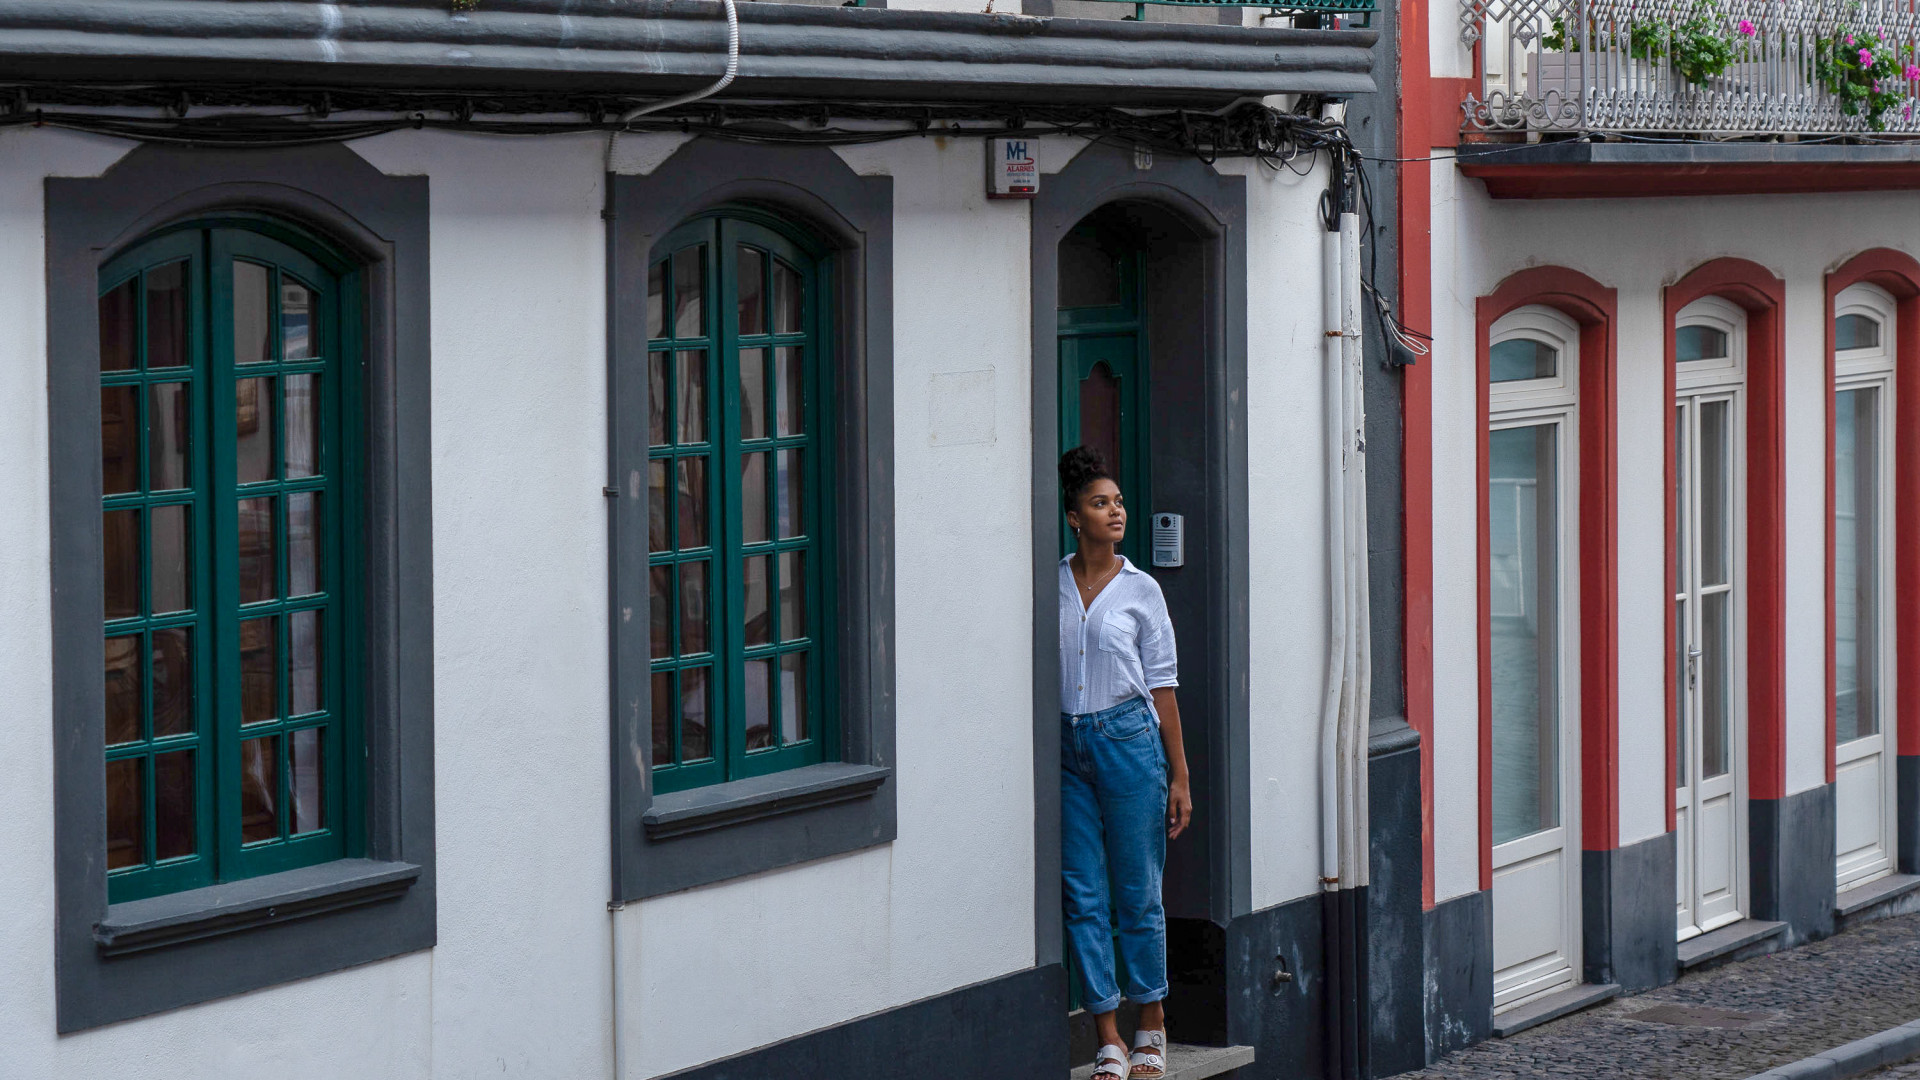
(1449, 57)
(951, 901)
(291, 1031)
(1287, 520)
(1637, 246)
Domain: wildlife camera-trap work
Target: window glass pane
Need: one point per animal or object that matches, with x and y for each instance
(170, 559)
(1856, 571)
(793, 698)
(750, 286)
(787, 300)
(126, 814)
(1089, 273)
(252, 317)
(120, 535)
(1716, 493)
(173, 682)
(753, 393)
(753, 591)
(1524, 575)
(793, 595)
(1517, 359)
(1680, 736)
(260, 789)
(660, 610)
(124, 695)
(694, 608)
(120, 326)
(173, 805)
(657, 399)
(1854, 332)
(307, 769)
(657, 300)
(302, 418)
(753, 498)
(657, 535)
(304, 535)
(259, 670)
(696, 741)
(296, 322)
(119, 439)
(306, 646)
(791, 490)
(253, 430)
(257, 562)
(662, 718)
(690, 383)
(1716, 682)
(758, 686)
(689, 292)
(691, 498)
(790, 389)
(1699, 343)
(169, 435)
(167, 316)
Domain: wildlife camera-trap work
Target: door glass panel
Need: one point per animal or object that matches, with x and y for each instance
(1855, 332)
(1716, 493)
(169, 415)
(1682, 698)
(170, 560)
(120, 534)
(786, 299)
(119, 439)
(307, 769)
(657, 399)
(257, 560)
(259, 670)
(793, 698)
(691, 483)
(173, 809)
(696, 741)
(759, 686)
(662, 717)
(306, 642)
(753, 393)
(252, 318)
(756, 622)
(172, 682)
(302, 418)
(789, 391)
(125, 698)
(126, 814)
(296, 322)
(1856, 569)
(689, 292)
(1100, 415)
(1716, 682)
(690, 378)
(1524, 529)
(1699, 343)
(693, 608)
(260, 789)
(657, 300)
(119, 327)
(167, 316)
(304, 573)
(750, 276)
(1518, 359)
(253, 428)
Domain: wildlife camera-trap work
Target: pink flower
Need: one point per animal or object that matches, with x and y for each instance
(1849, 39)
(1912, 72)
(1746, 27)
(1866, 58)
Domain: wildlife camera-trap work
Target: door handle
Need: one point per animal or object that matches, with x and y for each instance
(1693, 665)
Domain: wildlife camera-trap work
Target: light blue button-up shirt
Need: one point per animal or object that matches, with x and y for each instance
(1119, 649)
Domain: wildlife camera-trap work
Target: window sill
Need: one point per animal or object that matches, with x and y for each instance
(683, 813)
(160, 921)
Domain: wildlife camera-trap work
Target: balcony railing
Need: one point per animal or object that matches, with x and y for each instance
(1698, 67)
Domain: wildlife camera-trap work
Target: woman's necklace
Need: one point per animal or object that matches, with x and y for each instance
(1092, 586)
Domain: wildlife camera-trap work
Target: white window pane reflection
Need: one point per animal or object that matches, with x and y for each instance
(1856, 568)
(1524, 572)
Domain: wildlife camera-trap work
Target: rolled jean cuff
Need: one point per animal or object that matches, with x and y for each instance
(1149, 997)
(1110, 1004)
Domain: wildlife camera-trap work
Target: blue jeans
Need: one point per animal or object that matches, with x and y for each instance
(1113, 827)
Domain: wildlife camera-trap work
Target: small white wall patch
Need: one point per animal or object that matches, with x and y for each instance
(960, 407)
(1013, 168)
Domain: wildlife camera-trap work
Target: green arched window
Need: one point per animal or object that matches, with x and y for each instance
(228, 485)
(739, 551)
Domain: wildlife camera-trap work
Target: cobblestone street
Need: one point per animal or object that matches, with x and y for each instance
(1758, 1014)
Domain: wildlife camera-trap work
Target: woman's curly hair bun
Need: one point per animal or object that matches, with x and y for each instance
(1079, 467)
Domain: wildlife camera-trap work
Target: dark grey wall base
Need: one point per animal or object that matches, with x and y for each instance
(1907, 822)
(1791, 853)
(1014, 1026)
(1395, 976)
(1280, 1019)
(1626, 908)
(1459, 963)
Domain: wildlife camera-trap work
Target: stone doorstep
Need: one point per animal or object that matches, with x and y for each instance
(1185, 1062)
(1889, 1047)
(1727, 940)
(1553, 1007)
(1860, 898)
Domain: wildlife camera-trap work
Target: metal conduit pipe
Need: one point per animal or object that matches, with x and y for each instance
(725, 80)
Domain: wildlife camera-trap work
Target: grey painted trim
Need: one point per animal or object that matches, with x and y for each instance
(1576, 152)
(177, 918)
(760, 797)
(853, 215)
(650, 48)
(382, 222)
(1215, 206)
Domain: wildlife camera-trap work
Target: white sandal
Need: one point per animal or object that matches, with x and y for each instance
(1149, 1052)
(1110, 1063)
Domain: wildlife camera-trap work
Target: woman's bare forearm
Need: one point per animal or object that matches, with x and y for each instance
(1169, 712)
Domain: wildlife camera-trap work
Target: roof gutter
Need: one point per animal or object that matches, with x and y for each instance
(651, 48)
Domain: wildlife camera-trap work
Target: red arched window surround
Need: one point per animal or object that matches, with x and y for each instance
(1594, 307)
(1899, 274)
(1763, 296)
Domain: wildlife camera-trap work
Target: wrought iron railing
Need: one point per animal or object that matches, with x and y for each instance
(1707, 67)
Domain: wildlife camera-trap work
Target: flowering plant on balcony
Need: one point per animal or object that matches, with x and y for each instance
(1701, 47)
(1866, 74)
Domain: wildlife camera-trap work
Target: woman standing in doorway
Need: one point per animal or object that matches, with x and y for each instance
(1123, 792)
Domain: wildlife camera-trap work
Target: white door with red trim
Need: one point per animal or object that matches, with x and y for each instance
(1865, 788)
(1534, 615)
(1709, 616)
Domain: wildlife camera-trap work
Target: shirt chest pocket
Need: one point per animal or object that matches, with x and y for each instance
(1120, 636)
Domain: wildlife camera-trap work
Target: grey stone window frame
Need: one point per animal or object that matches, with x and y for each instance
(115, 962)
(670, 842)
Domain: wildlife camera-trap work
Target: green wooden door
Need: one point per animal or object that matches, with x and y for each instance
(1103, 370)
